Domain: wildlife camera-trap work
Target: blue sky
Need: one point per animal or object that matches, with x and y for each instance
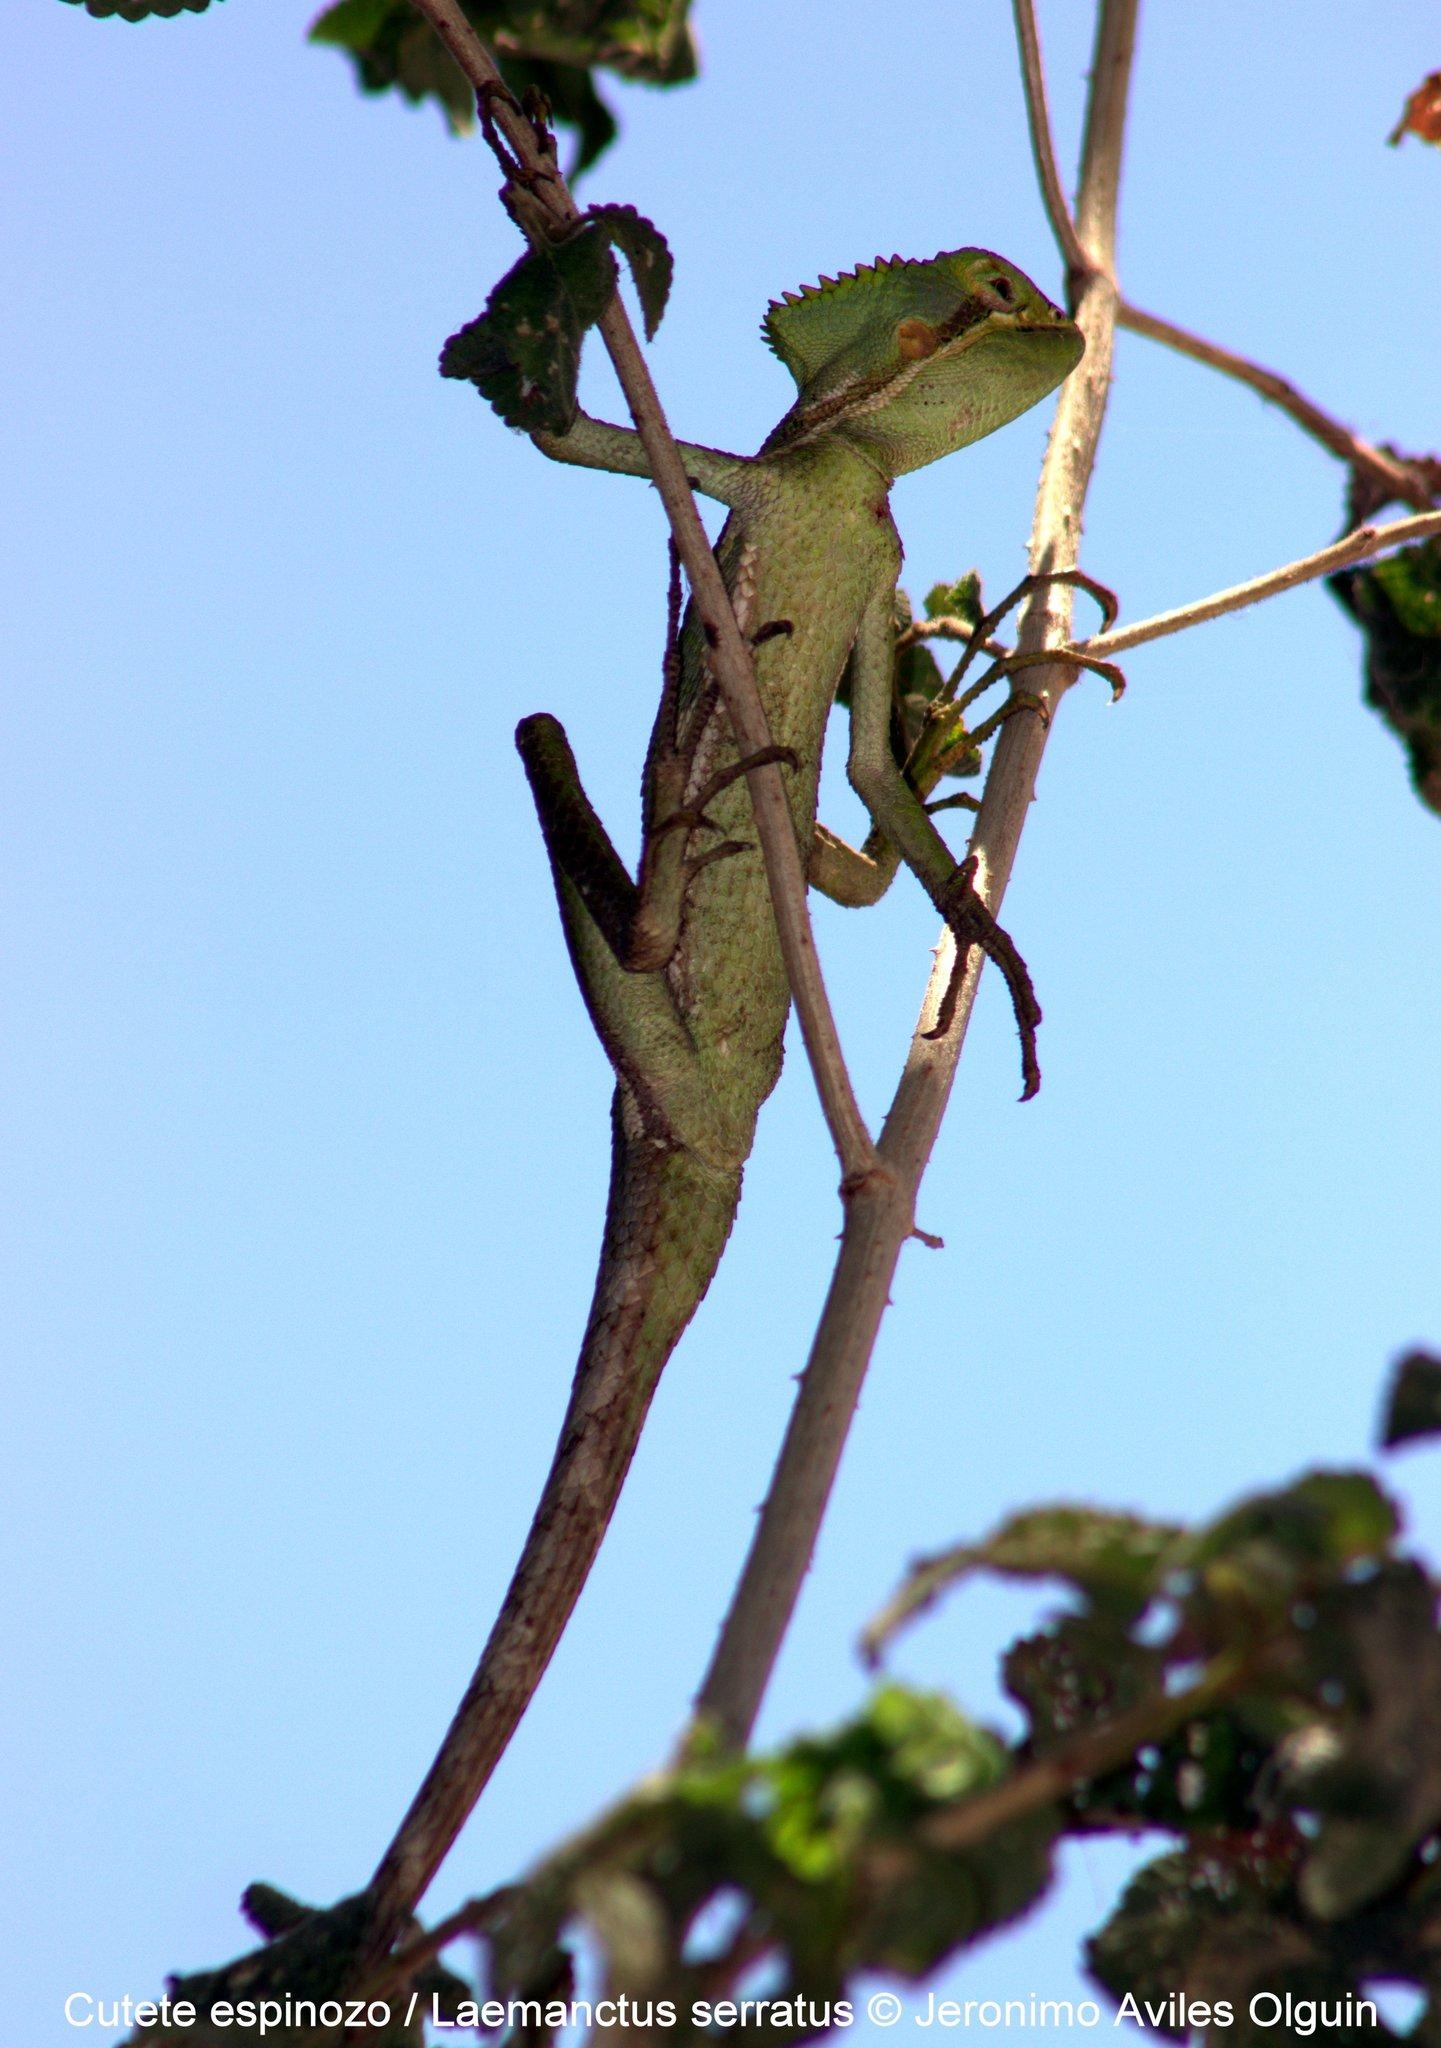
(305, 1134)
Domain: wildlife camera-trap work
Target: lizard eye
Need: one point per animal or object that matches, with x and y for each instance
(1003, 289)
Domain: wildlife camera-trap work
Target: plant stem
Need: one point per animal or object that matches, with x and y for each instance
(1352, 547)
(879, 1218)
(456, 1778)
(729, 654)
(1088, 1756)
(1053, 193)
(1412, 483)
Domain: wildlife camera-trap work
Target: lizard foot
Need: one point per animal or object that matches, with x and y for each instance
(973, 925)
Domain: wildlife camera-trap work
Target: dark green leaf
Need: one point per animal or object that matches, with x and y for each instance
(1413, 1407)
(1215, 1925)
(140, 10)
(550, 48)
(1398, 606)
(523, 353)
(647, 252)
(1080, 1672)
(1371, 1768)
(1114, 1558)
(1270, 1550)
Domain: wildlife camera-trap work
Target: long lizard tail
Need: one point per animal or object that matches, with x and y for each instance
(667, 1220)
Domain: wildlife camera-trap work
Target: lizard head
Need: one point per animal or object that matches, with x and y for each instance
(910, 360)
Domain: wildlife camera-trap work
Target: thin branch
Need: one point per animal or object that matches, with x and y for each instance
(1390, 477)
(1087, 1756)
(880, 1216)
(1353, 547)
(1412, 483)
(729, 654)
(1048, 176)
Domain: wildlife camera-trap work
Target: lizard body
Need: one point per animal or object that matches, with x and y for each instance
(897, 364)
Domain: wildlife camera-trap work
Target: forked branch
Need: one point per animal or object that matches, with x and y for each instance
(1384, 476)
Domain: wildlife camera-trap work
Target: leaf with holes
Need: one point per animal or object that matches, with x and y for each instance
(523, 353)
(646, 251)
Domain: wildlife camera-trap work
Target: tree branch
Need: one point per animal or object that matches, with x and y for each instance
(1392, 476)
(1038, 117)
(1087, 1756)
(879, 1218)
(1353, 547)
(729, 654)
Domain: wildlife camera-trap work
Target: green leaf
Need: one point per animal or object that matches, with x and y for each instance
(1398, 607)
(140, 10)
(523, 353)
(1215, 1923)
(646, 251)
(958, 600)
(1413, 1407)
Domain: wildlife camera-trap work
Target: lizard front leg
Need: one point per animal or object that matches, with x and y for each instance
(596, 444)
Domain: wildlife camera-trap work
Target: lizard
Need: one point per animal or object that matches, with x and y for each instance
(897, 364)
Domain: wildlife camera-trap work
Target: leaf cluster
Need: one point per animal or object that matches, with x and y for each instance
(1265, 1687)
(554, 49)
(140, 10)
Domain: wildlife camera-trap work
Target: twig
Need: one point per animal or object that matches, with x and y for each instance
(879, 1219)
(1412, 483)
(1048, 176)
(1415, 483)
(1352, 547)
(729, 654)
(1088, 1756)
(400, 1966)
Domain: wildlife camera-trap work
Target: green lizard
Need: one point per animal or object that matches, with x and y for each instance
(897, 364)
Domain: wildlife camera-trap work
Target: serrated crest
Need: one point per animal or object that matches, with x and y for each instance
(806, 329)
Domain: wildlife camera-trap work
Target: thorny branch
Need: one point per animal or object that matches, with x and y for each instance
(881, 1183)
(879, 1218)
(1387, 477)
